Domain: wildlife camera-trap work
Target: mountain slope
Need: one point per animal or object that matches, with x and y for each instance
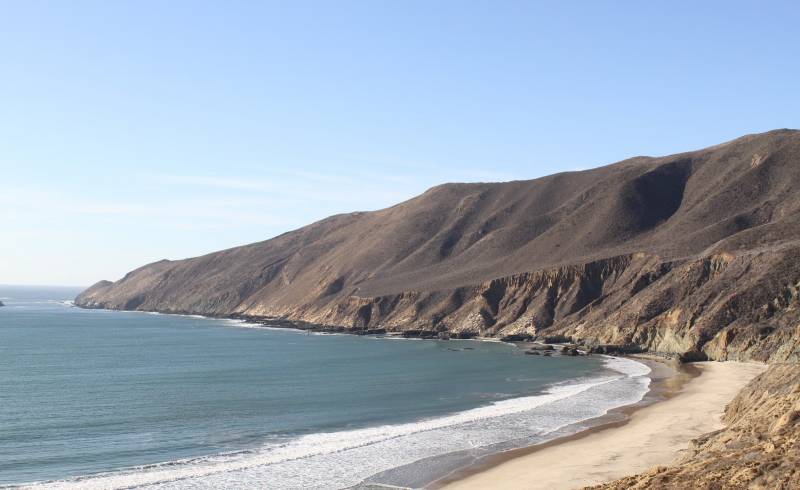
(696, 253)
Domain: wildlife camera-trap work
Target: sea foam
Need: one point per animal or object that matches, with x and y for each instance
(345, 458)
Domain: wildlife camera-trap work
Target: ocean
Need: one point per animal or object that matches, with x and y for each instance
(108, 399)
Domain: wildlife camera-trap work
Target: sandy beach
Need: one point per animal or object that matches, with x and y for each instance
(653, 435)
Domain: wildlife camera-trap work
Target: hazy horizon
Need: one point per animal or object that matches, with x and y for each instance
(137, 131)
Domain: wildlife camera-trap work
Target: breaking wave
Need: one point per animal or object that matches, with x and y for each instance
(345, 458)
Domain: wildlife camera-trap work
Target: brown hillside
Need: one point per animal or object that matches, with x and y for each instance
(696, 253)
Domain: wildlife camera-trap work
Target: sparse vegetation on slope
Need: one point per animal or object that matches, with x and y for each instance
(759, 448)
(696, 254)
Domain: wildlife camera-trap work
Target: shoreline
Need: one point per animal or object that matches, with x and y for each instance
(177, 466)
(668, 379)
(659, 375)
(654, 431)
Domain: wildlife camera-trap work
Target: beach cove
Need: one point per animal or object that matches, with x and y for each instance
(171, 401)
(652, 435)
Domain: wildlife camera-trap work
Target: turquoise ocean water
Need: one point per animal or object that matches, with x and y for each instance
(103, 399)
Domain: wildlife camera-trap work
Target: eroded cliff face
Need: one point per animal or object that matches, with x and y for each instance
(695, 254)
(759, 448)
(724, 306)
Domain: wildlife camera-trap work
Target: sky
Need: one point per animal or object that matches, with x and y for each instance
(136, 131)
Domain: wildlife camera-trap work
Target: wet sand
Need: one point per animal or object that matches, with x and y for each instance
(653, 434)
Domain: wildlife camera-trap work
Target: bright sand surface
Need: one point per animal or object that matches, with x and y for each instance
(654, 435)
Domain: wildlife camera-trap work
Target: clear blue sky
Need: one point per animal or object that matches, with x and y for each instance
(135, 131)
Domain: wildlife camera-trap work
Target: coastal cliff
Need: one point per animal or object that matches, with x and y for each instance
(695, 254)
(758, 448)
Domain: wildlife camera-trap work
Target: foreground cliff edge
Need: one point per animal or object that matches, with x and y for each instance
(695, 255)
(758, 449)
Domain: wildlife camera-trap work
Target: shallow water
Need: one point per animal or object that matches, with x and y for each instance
(102, 399)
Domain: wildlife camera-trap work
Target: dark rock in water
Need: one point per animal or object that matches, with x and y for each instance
(420, 334)
(547, 353)
(541, 347)
(570, 350)
(1, 303)
(517, 338)
(533, 352)
(369, 331)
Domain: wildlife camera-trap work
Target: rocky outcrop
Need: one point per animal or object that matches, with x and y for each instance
(737, 306)
(696, 254)
(759, 448)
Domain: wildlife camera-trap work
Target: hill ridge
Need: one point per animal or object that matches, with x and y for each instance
(726, 218)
